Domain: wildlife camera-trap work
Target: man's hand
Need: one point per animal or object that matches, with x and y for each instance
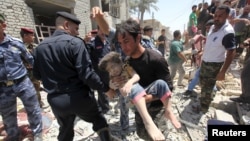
(87, 38)
(126, 89)
(220, 76)
(118, 81)
(96, 12)
(113, 85)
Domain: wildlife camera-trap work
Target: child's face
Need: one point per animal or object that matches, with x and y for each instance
(114, 69)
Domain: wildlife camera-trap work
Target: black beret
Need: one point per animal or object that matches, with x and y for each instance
(68, 16)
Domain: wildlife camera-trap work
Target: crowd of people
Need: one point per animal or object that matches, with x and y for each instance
(201, 20)
(122, 61)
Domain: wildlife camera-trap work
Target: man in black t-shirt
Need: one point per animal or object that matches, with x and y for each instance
(153, 71)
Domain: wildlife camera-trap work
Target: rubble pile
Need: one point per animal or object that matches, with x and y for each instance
(194, 124)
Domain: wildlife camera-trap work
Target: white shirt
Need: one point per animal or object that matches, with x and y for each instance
(218, 43)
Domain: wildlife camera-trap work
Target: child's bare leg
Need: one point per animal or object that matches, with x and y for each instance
(150, 126)
(170, 115)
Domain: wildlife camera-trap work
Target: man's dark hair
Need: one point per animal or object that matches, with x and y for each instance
(194, 6)
(224, 7)
(129, 26)
(177, 33)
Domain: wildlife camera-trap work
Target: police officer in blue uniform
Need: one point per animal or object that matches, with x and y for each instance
(99, 47)
(63, 64)
(147, 41)
(15, 83)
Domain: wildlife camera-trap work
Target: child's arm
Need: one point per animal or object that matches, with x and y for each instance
(134, 78)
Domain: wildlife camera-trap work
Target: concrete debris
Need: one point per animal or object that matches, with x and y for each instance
(193, 124)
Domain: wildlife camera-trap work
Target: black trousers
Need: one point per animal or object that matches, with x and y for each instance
(238, 40)
(69, 105)
(245, 81)
(103, 101)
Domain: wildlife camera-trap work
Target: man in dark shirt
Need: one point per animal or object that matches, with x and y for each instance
(204, 16)
(152, 69)
(99, 47)
(162, 42)
(240, 28)
(63, 64)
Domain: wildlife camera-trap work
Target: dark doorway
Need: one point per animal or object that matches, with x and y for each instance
(44, 15)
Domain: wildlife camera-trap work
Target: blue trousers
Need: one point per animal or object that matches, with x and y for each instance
(195, 81)
(8, 107)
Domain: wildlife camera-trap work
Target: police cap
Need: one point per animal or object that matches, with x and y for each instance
(27, 30)
(68, 16)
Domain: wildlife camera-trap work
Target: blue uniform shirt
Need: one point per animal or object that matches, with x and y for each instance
(147, 42)
(99, 50)
(11, 64)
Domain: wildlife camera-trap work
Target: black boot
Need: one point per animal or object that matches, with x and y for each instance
(105, 135)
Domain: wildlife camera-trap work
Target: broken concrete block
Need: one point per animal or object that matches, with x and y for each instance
(234, 92)
(221, 115)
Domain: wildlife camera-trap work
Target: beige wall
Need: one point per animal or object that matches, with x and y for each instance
(18, 15)
(157, 28)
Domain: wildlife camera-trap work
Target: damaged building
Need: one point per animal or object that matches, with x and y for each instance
(40, 14)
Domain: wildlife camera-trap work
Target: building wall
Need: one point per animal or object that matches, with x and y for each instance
(157, 27)
(92, 4)
(82, 10)
(124, 10)
(123, 13)
(18, 15)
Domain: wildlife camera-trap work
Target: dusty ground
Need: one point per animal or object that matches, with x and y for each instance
(193, 124)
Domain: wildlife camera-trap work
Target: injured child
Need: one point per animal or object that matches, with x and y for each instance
(114, 65)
